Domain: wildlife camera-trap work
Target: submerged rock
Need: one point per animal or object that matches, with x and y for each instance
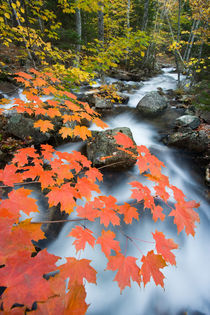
(152, 103)
(103, 144)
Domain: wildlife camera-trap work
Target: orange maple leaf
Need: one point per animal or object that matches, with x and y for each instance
(83, 236)
(129, 213)
(9, 176)
(184, 215)
(66, 132)
(65, 195)
(151, 266)
(82, 131)
(164, 247)
(19, 200)
(21, 267)
(127, 270)
(44, 125)
(77, 270)
(124, 140)
(107, 242)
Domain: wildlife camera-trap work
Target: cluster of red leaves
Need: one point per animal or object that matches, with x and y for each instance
(58, 103)
(65, 178)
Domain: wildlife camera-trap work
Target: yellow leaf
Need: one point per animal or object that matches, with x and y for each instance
(13, 5)
(7, 15)
(18, 3)
(142, 53)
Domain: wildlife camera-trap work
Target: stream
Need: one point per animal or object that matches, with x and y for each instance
(187, 286)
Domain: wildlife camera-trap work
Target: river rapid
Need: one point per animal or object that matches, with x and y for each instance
(187, 286)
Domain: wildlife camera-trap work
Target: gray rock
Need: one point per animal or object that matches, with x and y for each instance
(152, 103)
(22, 127)
(88, 96)
(188, 121)
(102, 103)
(195, 141)
(126, 87)
(207, 175)
(123, 98)
(103, 144)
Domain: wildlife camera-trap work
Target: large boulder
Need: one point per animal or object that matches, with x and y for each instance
(103, 144)
(188, 121)
(23, 127)
(152, 103)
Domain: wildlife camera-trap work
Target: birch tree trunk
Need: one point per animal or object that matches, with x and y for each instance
(78, 28)
(192, 41)
(101, 23)
(178, 39)
(145, 16)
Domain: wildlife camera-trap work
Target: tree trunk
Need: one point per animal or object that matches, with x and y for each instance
(178, 39)
(189, 39)
(145, 16)
(128, 13)
(192, 41)
(101, 23)
(79, 28)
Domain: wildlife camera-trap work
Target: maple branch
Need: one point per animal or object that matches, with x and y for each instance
(18, 184)
(58, 221)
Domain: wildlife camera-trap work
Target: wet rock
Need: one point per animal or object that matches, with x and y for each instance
(123, 99)
(188, 121)
(22, 127)
(152, 103)
(207, 176)
(194, 141)
(126, 87)
(126, 76)
(88, 96)
(103, 144)
(102, 103)
(205, 115)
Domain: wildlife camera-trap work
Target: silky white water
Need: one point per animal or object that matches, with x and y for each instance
(187, 286)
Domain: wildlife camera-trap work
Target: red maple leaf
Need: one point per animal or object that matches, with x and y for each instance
(107, 242)
(9, 176)
(44, 125)
(164, 247)
(184, 215)
(127, 270)
(90, 210)
(85, 187)
(19, 200)
(83, 236)
(124, 140)
(77, 270)
(23, 278)
(151, 266)
(65, 195)
(129, 213)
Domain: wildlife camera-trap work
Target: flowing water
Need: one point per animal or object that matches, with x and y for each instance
(187, 286)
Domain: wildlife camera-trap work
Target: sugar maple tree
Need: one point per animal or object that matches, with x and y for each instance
(28, 276)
